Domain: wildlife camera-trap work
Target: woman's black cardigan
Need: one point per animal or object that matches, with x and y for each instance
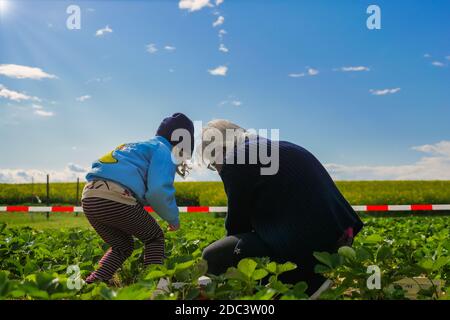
(296, 211)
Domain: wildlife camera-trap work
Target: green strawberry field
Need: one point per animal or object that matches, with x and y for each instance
(38, 257)
(34, 264)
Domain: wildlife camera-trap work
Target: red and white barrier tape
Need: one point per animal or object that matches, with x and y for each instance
(80, 209)
(363, 208)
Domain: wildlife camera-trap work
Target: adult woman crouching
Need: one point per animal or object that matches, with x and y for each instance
(285, 214)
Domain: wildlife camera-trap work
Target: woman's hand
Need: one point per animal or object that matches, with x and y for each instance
(174, 227)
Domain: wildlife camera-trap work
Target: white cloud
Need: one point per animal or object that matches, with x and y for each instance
(193, 5)
(14, 95)
(223, 48)
(384, 92)
(103, 31)
(219, 2)
(313, 72)
(220, 20)
(354, 69)
(438, 64)
(75, 167)
(43, 113)
(222, 32)
(309, 72)
(170, 48)
(151, 48)
(427, 55)
(219, 71)
(98, 80)
(296, 75)
(39, 110)
(231, 101)
(83, 98)
(435, 165)
(438, 149)
(24, 72)
(69, 174)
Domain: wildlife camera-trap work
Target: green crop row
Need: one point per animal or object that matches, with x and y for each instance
(212, 193)
(34, 264)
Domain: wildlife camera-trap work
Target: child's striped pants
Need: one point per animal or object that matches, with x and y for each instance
(117, 223)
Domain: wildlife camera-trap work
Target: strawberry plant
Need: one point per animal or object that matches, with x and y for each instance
(33, 264)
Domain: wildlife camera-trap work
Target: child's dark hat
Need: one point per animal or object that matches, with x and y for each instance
(174, 122)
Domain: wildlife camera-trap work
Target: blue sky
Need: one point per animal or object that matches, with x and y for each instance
(370, 104)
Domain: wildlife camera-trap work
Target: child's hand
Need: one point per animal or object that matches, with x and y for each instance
(174, 227)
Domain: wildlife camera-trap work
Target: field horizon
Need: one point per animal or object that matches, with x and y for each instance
(204, 193)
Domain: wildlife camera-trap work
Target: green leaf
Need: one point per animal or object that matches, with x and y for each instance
(373, 238)
(155, 274)
(299, 290)
(107, 293)
(235, 274)
(184, 265)
(363, 254)
(183, 275)
(265, 294)
(426, 264)
(247, 266)
(325, 258)
(133, 292)
(271, 267)
(4, 283)
(259, 274)
(62, 295)
(441, 262)
(347, 252)
(384, 252)
(17, 294)
(3, 277)
(200, 269)
(192, 294)
(40, 294)
(285, 267)
(45, 280)
(277, 285)
(320, 268)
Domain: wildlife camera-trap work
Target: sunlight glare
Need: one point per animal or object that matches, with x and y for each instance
(3, 6)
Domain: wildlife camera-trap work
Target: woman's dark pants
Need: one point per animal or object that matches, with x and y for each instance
(228, 251)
